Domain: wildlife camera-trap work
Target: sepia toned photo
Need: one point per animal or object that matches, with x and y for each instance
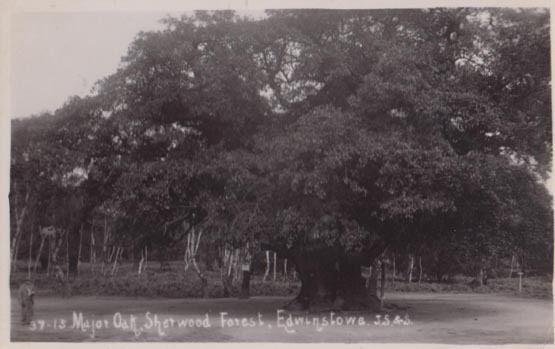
(281, 175)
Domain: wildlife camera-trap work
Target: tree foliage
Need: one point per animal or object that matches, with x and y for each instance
(358, 131)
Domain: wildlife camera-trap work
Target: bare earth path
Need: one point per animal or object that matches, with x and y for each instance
(434, 318)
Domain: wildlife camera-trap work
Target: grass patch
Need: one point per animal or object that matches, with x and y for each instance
(535, 287)
(177, 283)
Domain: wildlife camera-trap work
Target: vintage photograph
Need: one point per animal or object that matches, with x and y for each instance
(281, 175)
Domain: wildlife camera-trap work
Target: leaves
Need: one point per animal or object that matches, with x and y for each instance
(314, 128)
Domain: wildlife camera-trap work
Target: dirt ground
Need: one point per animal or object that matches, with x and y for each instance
(423, 318)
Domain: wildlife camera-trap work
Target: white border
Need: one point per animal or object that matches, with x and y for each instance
(10, 7)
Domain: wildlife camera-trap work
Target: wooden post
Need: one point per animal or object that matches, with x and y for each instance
(520, 281)
(285, 269)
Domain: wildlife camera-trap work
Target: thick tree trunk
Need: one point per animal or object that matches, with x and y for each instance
(332, 283)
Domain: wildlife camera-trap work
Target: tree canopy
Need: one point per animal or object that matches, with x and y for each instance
(349, 132)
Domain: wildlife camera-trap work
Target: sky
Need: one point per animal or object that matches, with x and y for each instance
(58, 55)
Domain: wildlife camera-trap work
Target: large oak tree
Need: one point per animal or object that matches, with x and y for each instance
(327, 136)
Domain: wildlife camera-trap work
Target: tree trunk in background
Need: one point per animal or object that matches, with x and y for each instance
(382, 283)
(40, 251)
(92, 250)
(104, 245)
(15, 247)
(55, 254)
(419, 270)
(19, 218)
(275, 265)
(394, 270)
(373, 279)
(67, 256)
(245, 285)
(210, 257)
(30, 256)
(237, 263)
(512, 266)
(483, 272)
(79, 251)
(49, 265)
(267, 271)
(410, 268)
(226, 275)
(480, 276)
(75, 237)
(119, 252)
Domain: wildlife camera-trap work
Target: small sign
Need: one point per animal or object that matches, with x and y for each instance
(245, 267)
